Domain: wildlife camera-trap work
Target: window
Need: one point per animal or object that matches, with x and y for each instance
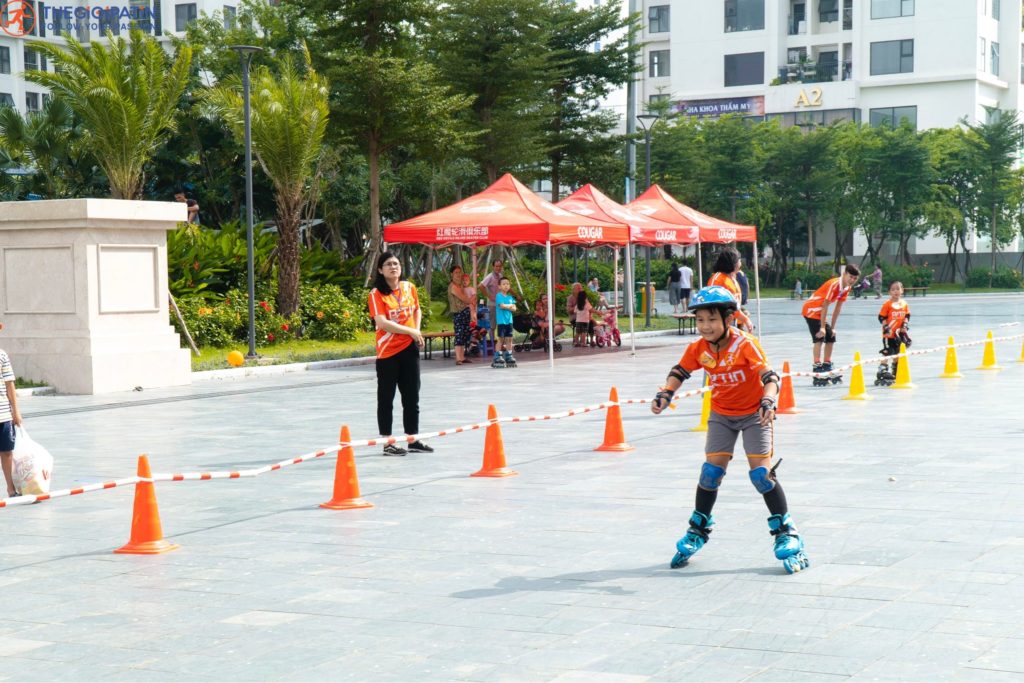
(657, 18)
(892, 57)
(886, 9)
(184, 15)
(982, 54)
(744, 69)
(110, 20)
(32, 101)
(62, 19)
(744, 15)
(828, 11)
(141, 16)
(994, 58)
(795, 55)
(847, 15)
(658, 64)
(5, 60)
(995, 9)
(229, 17)
(31, 59)
(655, 99)
(1022, 64)
(6, 100)
(893, 117)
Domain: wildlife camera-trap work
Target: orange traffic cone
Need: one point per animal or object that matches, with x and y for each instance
(787, 403)
(494, 450)
(614, 436)
(147, 536)
(346, 480)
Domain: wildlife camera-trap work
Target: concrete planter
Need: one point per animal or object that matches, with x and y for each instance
(83, 294)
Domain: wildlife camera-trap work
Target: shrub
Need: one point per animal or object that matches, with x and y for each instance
(810, 279)
(1004, 277)
(210, 323)
(328, 314)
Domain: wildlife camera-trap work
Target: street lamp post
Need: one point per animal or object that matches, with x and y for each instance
(648, 121)
(245, 53)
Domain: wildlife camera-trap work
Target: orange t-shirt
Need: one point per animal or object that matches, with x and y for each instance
(723, 280)
(895, 314)
(831, 292)
(400, 306)
(734, 372)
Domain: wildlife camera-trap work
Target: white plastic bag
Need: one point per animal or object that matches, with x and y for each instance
(32, 465)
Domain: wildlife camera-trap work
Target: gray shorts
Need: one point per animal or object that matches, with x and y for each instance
(724, 429)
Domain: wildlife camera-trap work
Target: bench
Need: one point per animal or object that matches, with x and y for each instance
(793, 294)
(687, 321)
(914, 290)
(446, 344)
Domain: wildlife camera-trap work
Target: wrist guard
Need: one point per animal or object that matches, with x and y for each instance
(664, 397)
(767, 406)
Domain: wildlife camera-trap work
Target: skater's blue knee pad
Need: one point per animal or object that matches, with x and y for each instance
(760, 479)
(710, 476)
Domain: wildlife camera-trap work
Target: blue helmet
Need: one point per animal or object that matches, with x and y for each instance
(714, 297)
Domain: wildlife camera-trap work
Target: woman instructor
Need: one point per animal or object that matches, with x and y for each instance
(395, 309)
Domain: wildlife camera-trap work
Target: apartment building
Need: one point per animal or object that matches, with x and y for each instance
(814, 62)
(22, 21)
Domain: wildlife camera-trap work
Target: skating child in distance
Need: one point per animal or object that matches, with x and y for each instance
(823, 331)
(744, 389)
(895, 319)
(504, 307)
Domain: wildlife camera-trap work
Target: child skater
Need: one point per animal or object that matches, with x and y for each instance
(895, 319)
(583, 308)
(504, 307)
(744, 388)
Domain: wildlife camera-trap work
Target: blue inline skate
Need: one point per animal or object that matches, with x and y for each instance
(789, 547)
(695, 538)
(510, 361)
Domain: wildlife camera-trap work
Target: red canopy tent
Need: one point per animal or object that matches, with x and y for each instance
(643, 230)
(508, 213)
(656, 202)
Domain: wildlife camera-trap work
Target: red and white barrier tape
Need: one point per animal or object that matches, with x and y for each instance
(313, 455)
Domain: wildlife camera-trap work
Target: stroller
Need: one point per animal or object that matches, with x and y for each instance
(861, 288)
(478, 332)
(533, 338)
(606, 330)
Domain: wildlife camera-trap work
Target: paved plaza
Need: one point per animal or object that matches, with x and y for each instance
(911, 506)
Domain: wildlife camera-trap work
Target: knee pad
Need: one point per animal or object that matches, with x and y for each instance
(710, 476)
(761, 479)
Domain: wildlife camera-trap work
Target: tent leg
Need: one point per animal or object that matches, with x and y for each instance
(551, 309)
(628, 285)
(757, 289)
(700, 266)
(615, 277)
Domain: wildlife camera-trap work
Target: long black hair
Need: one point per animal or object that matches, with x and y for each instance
(675, 269)
(380, 282)
(728, 259)
(581, 300)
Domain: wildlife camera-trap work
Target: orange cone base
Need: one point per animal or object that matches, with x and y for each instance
(499, 472)
(615, 447)
(147, 548)
(787, 411)
(347, 504)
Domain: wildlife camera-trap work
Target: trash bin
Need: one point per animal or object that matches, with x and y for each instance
(641, 298)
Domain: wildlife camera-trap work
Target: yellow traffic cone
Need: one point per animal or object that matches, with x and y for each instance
(705, 409)
(903, 370)
(857, 392)
(988, 359)
(952, 369)
(1021, 359)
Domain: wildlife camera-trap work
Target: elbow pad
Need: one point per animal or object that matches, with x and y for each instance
(679, 372)
(881, 319)
(770, 377)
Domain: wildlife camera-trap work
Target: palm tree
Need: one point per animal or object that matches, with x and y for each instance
(126, 95)
(289, 117)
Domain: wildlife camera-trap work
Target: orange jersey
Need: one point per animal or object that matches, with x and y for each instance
(894, 315)
(830, 292)
(734, 372)
(727, 281)
(400, 306)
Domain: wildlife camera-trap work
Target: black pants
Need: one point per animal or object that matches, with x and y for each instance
(401, 370)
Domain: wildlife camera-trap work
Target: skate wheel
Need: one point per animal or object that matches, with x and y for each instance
(796, 563)
(678, 561)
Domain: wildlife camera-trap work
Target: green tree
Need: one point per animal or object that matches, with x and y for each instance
(996, 144)
(806, 161)
(289, 118)
(732, 163)
(578, 132)
(954, 204)
(385, 93)
(125, 93)
(497, 53)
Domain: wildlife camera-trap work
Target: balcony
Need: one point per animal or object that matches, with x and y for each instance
(813, 72)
